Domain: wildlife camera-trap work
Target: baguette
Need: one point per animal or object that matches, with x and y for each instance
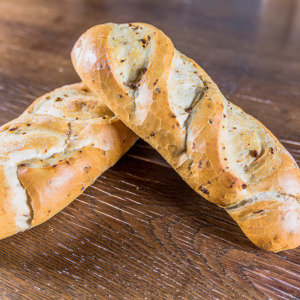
(224, 154)
(52, 152)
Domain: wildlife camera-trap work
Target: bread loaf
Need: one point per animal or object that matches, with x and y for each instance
(52, 152)
(224, 154)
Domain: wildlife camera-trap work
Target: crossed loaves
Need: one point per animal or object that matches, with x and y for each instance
(52, 152)
(224, 154)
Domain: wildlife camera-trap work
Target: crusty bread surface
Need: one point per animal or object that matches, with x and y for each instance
(224, 154)
(53, 152)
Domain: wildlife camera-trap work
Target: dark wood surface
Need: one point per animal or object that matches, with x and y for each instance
(140, 232)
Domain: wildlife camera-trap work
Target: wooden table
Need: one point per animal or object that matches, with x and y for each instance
(140, 232)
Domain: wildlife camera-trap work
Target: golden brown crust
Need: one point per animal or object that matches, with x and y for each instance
(227, 156)
(7, 213)
(54, 187)
(53, 151)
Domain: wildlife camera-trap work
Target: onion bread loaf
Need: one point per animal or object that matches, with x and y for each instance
(224, 154)
(52, 152)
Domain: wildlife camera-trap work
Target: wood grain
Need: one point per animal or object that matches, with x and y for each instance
(140, 232)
